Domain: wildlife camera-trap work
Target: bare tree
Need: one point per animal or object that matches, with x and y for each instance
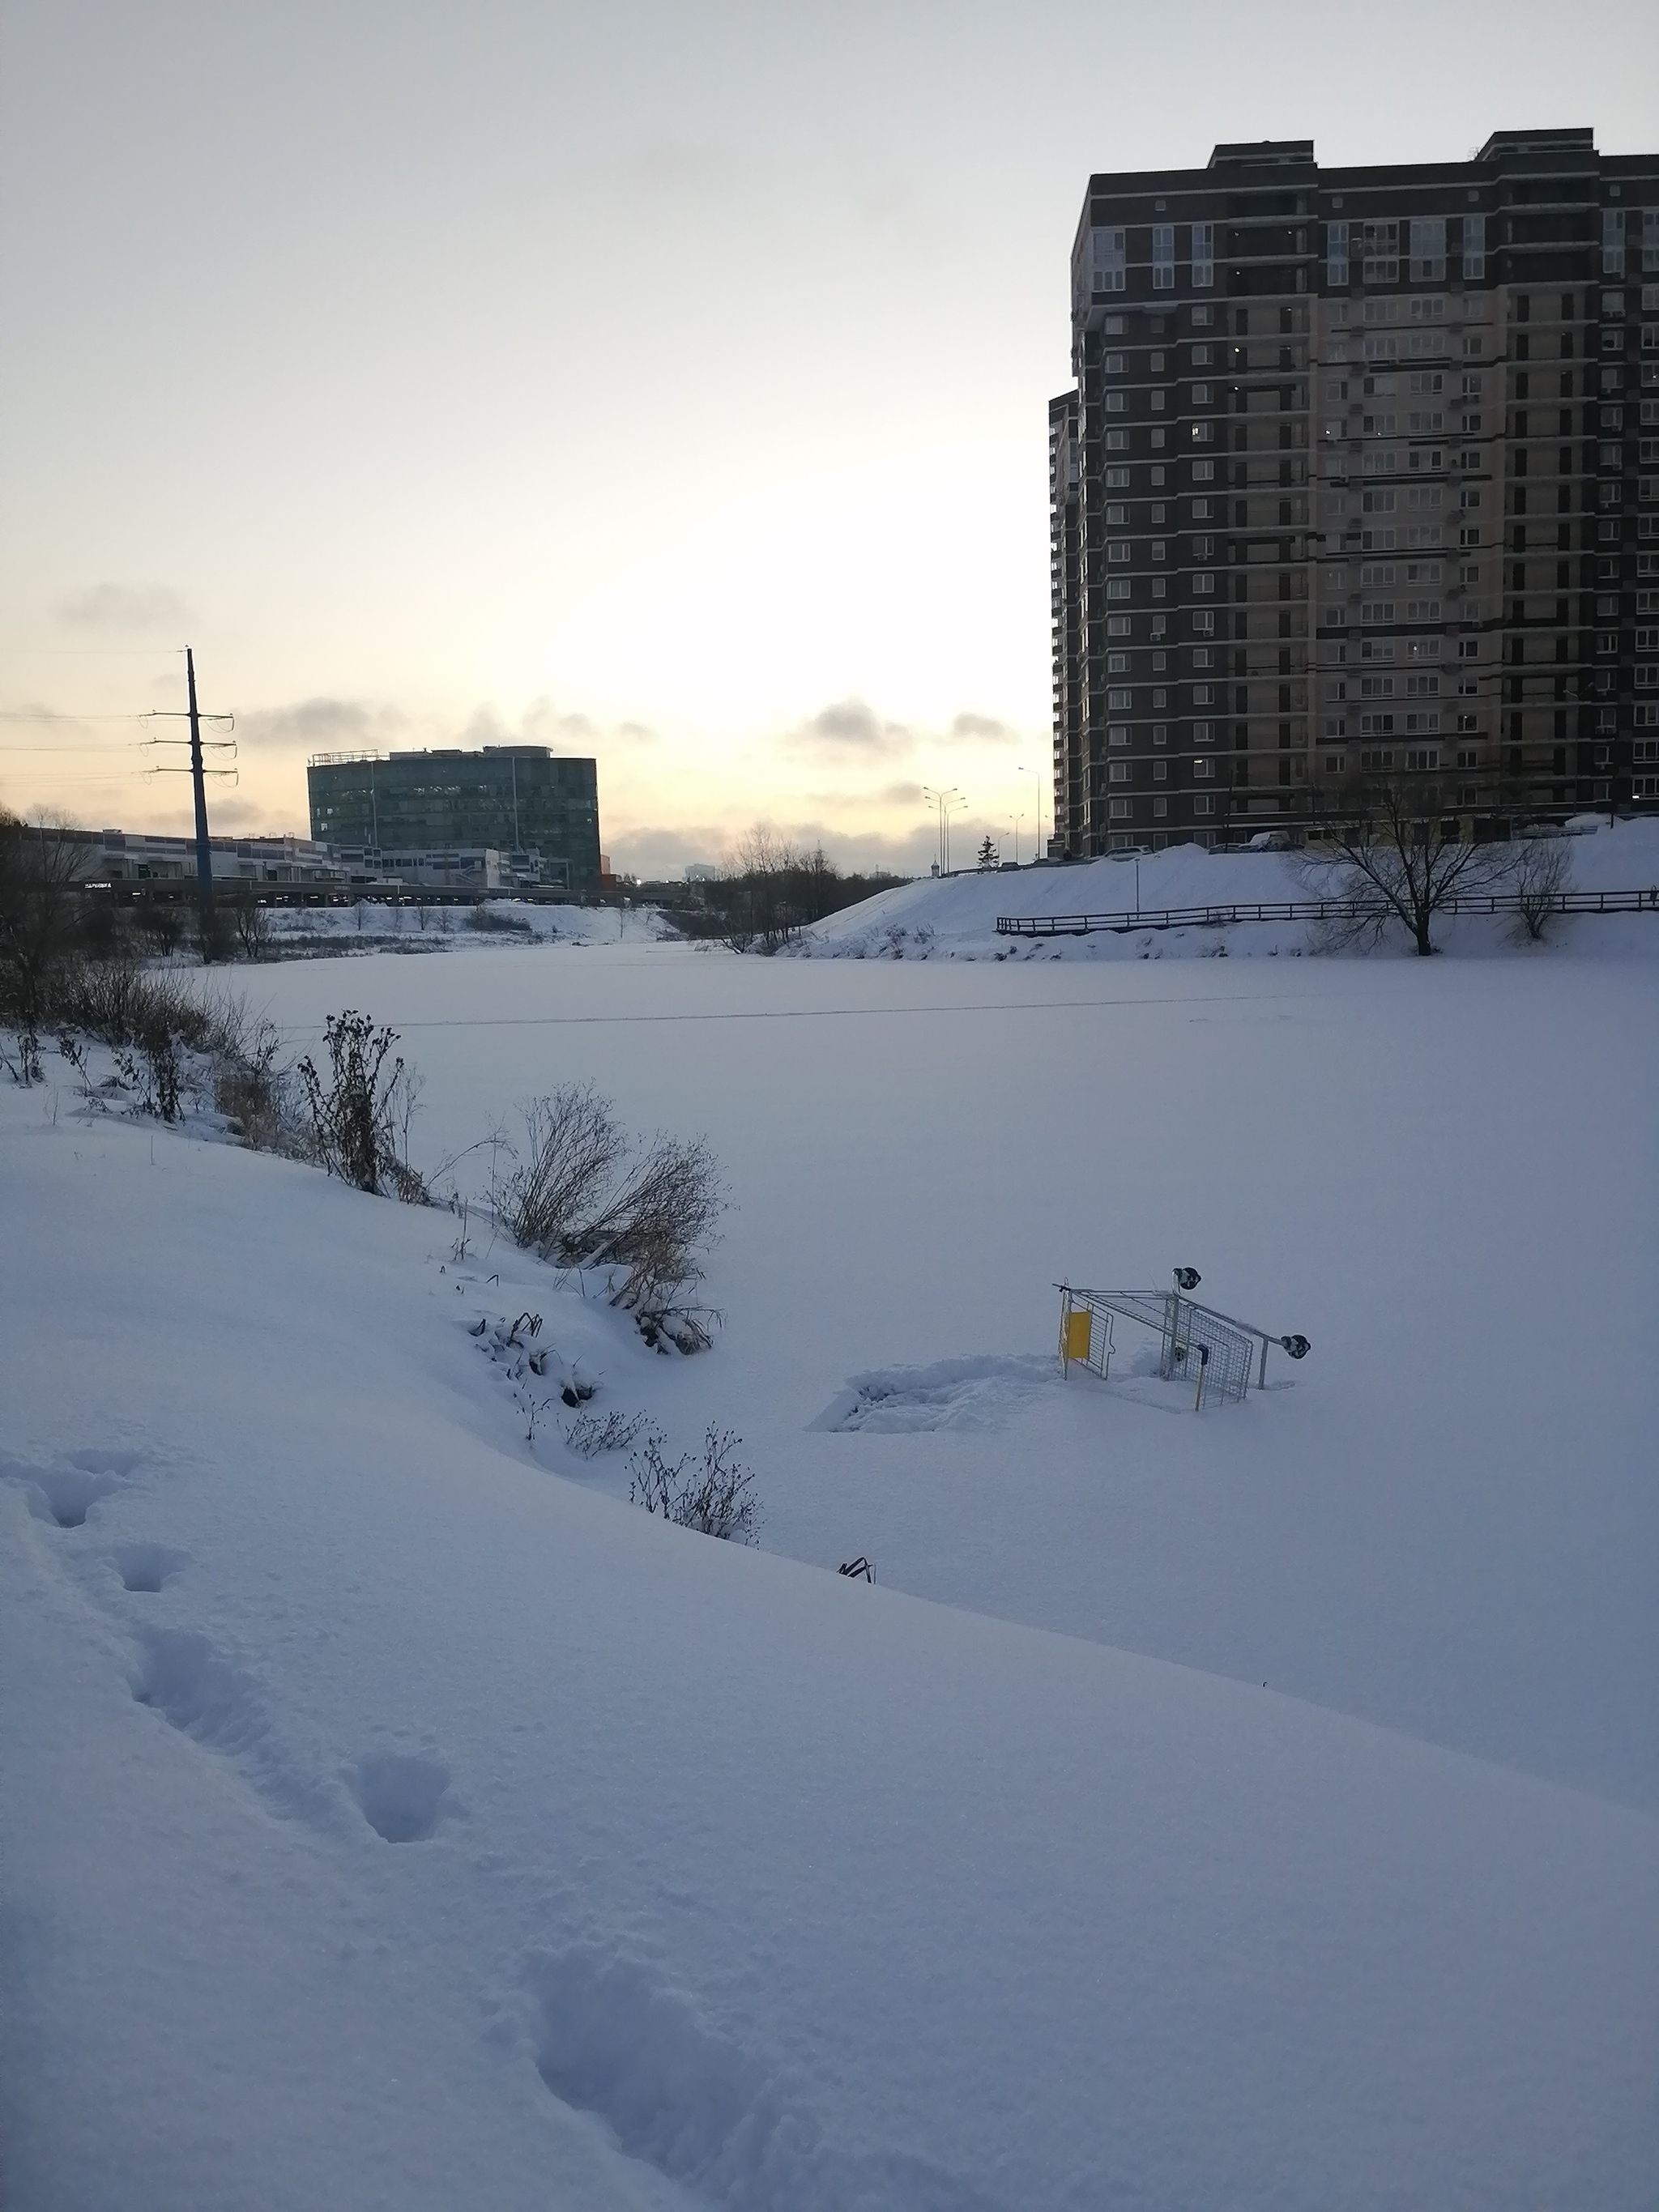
(1543, 871)
(1399, 858)
(40, 919)
(252, 921)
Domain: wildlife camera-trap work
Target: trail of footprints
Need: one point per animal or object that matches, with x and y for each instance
(607, 2033)
(181, 1676)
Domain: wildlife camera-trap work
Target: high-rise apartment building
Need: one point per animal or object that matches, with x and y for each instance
(1359, 477)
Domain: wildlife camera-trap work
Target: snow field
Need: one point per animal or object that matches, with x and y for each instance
(393, 1817)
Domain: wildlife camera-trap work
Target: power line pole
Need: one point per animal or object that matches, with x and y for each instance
(199, 772)
(203, 849)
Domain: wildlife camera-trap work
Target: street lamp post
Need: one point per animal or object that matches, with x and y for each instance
(945, 800)
(1036, 848)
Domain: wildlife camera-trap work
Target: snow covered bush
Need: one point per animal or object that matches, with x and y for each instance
(359, 1112)
(715, 1496)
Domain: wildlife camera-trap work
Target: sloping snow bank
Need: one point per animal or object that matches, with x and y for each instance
(375, 925)
(955, 917)
(388, 1822)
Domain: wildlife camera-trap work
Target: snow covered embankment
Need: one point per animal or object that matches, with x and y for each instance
(388, 1821)
(955, 917)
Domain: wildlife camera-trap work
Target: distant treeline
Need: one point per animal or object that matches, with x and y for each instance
(766, 892)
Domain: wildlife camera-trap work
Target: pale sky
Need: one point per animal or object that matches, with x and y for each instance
(665, 382)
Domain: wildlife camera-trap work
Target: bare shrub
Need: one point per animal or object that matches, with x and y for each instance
(499, 924)
(574, 1147)
(252, 923)
(665, 1210)
(254, 1091)
(716, 1496)
(1543, 871)
(571, 1198)
(357, 1110)
(155, 1082)
(162, 922)
(212, 930)
(588, 1435)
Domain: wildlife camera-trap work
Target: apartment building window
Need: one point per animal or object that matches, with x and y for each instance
(1121, 810)
(1649, 242)
(1119, 772)
(1613, 241)
(1118, 549)
(1117, 480)
(1336, 253)
(1381, 264)
(1204, 803)
(1203, 255)
(1117, 441)
(1163, 256)
(1113, 364)
(1204, 769)
(1474, 253)
(1429, 249)
(1116, 402)
(1111, 260)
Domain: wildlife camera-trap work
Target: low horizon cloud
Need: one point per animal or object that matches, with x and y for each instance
(125, 606)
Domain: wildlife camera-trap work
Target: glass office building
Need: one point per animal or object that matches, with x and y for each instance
(515, 798)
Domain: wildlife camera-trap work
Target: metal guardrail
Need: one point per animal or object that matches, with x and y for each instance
(1326, 909)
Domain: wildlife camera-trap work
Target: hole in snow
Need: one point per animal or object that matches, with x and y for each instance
(146, 1568)
(403, 1798)
(184, 1679)
(68, 1494)
(612, 2040)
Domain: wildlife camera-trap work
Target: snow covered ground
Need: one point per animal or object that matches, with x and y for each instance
(956, 918)
(1257, 1808)
(496, 923)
